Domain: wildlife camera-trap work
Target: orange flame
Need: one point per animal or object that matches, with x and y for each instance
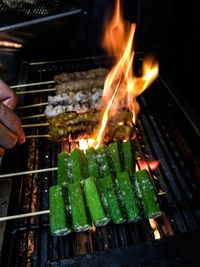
(120, 85)
(155, 228)
(146, 165)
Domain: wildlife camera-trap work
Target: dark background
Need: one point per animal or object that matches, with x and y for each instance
(169, 29)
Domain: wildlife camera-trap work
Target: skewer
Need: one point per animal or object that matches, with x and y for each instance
(19, 216)
(32, 116)
(30, 84)
(35, 125)
(38, 136)
(36, 91)
(28, 172)
(33, 105)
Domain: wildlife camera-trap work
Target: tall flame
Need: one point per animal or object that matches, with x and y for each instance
(121, 87)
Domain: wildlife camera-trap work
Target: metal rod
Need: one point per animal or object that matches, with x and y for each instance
(30, 84)
(38, 136)
(33, 105)
(35, 91)
(19, 216)
(39, 20)
(35, 125)
(32, 116)
(28, 172)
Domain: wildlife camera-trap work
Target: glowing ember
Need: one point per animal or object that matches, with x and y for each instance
(93, 229)
(154, 227)
(147, 165)
(121, 87)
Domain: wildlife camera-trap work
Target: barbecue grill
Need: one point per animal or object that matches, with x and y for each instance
(167, 130)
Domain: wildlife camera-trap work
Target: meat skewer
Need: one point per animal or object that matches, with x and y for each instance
(89, 74)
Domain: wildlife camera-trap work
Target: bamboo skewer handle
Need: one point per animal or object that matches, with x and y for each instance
(38, 136)
(36, 91)
(19, 216)
(27, 172)
(33, 105)
(30, 84)
(35, 125)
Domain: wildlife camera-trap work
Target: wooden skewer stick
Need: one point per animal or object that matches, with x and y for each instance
(35, 125)
(19, 216)
(33, 105)
(32, 116)
(28, 172)
(31, 84)
(35, 91)
(38, 136)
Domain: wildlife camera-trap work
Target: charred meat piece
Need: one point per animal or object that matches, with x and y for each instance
(90, 74)
(81, 101)
(84, 84)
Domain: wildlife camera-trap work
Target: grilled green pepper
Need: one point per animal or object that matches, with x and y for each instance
(128, 197)
(148, 195)
(94, 202)
(59, 218)
(79, 214)
(103, 161)
(93, 169)
(128, 149)
(78, 165)
(62, 173)
(116, 156)
(109, 191)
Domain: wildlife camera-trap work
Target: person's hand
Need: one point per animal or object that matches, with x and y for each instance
(7, 95)
(11, 132)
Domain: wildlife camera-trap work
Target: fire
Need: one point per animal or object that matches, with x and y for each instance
(154, 227)
(86, 143)
(152, 165)
(121, 87)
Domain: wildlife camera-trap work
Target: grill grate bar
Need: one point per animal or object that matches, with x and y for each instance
(179, 216)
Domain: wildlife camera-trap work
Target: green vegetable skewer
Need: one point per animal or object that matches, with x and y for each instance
(129, 156)
(94, 202)
(78, 165)
(62, 175)
(80, 221)
(128, 197)
(148, 195)
(116, 156)
(103, 161)
(93, 169)
(112, 200)
(59, 219)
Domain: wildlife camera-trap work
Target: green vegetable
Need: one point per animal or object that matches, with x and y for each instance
(94, 202)
(128, 197)
(148, 195)
(79, 214)
(112, 200)
(62, 173)
(78, 165)
(59, 218)
(128, 149)
(116, 156)
(103, 161)
(93, 169)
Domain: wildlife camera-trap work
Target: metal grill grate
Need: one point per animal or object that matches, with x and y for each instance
(128, 244)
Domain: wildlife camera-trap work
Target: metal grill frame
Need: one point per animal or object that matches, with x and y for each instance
(152, 141)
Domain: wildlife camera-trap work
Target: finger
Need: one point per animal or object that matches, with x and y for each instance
(7, 138)
(1, 152)
(12, 122)
(8, 96)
